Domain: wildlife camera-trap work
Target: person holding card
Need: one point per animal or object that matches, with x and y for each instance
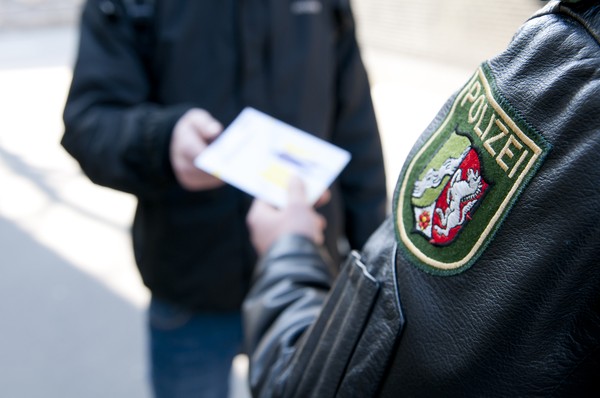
(484, 281)
(155, 82)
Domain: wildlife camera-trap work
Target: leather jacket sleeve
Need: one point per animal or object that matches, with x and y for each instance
(507, 306)
(311, 336)
(293, 289)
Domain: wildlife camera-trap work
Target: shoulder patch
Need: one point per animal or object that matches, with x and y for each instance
(456, 190)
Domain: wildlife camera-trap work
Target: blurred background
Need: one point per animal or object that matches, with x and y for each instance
(71, 302)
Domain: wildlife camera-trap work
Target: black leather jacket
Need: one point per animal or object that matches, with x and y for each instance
(138, 72)
(485, 282)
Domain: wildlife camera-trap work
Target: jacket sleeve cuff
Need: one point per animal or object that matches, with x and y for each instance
(294, 247)
(156, 134)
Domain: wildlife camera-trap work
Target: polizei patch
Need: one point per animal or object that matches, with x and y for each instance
(459, 186)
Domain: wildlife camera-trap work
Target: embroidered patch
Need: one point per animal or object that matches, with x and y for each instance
(457, 189)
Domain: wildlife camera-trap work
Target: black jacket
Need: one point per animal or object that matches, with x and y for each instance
(485, 281)
(137, 73)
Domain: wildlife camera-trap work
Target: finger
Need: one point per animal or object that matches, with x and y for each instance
(192, 145)
(322, 221)
(257, 210)
(211, 131)
(319, 239)
(296, 191)
(207, 126)
(319, 236)
(324, 199)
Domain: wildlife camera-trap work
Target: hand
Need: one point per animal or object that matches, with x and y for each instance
(191, 135)
(267, 224)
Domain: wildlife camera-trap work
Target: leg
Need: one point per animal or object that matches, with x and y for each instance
(191, 354)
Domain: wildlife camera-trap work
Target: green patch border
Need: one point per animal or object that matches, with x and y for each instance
(435, 265)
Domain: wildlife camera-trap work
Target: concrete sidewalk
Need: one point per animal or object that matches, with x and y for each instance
(71, 300)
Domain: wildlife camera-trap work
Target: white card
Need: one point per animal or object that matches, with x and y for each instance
(259, 154)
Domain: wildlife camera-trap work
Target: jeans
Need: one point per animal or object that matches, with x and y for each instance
(191, 353)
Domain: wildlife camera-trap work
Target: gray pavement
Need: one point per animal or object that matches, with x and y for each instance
(71, 302)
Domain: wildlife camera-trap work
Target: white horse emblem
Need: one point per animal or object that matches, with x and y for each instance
(461, 196)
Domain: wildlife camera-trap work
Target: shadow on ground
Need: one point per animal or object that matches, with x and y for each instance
(65, 334)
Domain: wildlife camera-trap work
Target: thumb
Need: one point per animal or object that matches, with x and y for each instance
(296, 191)
(211, 130)
(205, 124)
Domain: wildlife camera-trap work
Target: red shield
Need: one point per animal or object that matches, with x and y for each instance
(458, 200)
